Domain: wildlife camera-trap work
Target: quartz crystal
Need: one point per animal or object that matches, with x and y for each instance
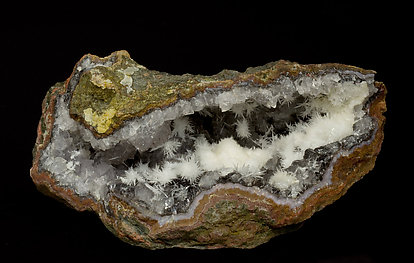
(228, 160)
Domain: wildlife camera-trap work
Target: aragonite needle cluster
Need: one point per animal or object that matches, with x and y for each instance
(228, 160)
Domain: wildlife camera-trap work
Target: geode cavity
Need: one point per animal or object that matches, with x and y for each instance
(228, 160)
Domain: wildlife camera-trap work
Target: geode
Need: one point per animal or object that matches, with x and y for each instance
(229, 160)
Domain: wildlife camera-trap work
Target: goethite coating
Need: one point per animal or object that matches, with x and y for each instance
(229, 160)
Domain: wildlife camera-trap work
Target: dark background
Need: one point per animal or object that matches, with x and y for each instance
(41, 45)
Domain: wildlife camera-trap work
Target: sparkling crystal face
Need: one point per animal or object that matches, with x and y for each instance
(280, 139)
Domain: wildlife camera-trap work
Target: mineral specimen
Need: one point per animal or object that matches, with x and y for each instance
(228, 160)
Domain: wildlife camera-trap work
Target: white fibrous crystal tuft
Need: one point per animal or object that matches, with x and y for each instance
(181, 127)
(170, 147)
(238, 110)
(164, 175)
(243, 129)
(132, 176)
(188, 169)
(248, 135)
(284, 180)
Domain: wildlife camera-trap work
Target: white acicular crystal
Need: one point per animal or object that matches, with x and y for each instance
(283, 180)
(170, 148)
(132, 176)
(188, 169)
(243, 129)
(181, 127)
(238, 110)
(164, 175)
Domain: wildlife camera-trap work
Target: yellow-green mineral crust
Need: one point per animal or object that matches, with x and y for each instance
(107, 96)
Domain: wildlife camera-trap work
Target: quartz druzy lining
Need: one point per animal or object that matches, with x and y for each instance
(160, 142)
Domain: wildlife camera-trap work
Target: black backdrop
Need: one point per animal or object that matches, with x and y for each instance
(41, 44)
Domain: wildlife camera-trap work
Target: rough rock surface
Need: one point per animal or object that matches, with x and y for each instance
(105, 96)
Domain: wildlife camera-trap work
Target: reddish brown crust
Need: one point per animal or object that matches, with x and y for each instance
(346, 171)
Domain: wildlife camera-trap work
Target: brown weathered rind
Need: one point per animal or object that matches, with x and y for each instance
(226, 217)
